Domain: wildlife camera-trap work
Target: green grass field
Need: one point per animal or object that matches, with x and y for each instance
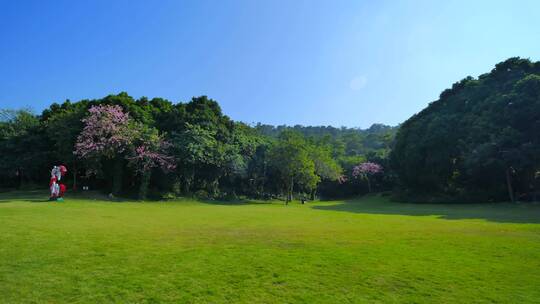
(368, 250)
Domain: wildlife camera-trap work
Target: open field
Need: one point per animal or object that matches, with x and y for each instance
(368, 250)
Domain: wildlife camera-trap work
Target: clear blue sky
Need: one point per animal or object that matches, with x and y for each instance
(341, 63)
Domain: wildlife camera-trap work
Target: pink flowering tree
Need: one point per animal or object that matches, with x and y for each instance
(149, 152)
(108, 133)
(366, 170)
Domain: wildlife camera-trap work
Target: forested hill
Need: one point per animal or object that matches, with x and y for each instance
(479, 141)
(375, 139)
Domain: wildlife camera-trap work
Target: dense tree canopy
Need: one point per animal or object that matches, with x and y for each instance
(146, 146)
(480, 140)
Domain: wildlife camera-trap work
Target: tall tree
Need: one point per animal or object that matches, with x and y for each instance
(108, 134)
(289, 158)
(149, 151)
(63, 126)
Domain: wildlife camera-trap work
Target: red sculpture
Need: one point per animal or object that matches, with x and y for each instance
(57, 189)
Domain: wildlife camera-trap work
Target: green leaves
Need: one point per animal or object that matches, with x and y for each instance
(212, 153)
(479, 128)
(197, 146)
(290, 159)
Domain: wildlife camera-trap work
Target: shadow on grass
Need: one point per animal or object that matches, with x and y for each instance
(26, 200)
(32, 196)
(42, 196)
(239, 202)
(493, 212)
(38, 200)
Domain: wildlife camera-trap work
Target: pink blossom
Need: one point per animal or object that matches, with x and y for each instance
(148, 156)
(109, 132)
(106, 132)
(367, 168)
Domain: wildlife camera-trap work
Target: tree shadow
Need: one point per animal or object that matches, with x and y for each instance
(238, 202)
(33, 196)
(4, 201)
(494, 212)
(42, 196)
(39, 201)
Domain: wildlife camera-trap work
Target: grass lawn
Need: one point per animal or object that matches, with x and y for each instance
(368, 250)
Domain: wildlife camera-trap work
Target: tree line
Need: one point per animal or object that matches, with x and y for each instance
(154, 147)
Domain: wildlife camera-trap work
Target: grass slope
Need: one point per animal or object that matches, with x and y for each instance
(363, 251)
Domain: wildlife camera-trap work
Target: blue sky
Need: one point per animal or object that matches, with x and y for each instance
(341, 63)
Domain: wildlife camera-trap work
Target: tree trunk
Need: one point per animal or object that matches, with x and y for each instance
(289, 191)
(509, 185)
(189, 182)
(118, 167)
(19, 178)
(368, 184)
(74, 177)
(264, 178)
(145, 181)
